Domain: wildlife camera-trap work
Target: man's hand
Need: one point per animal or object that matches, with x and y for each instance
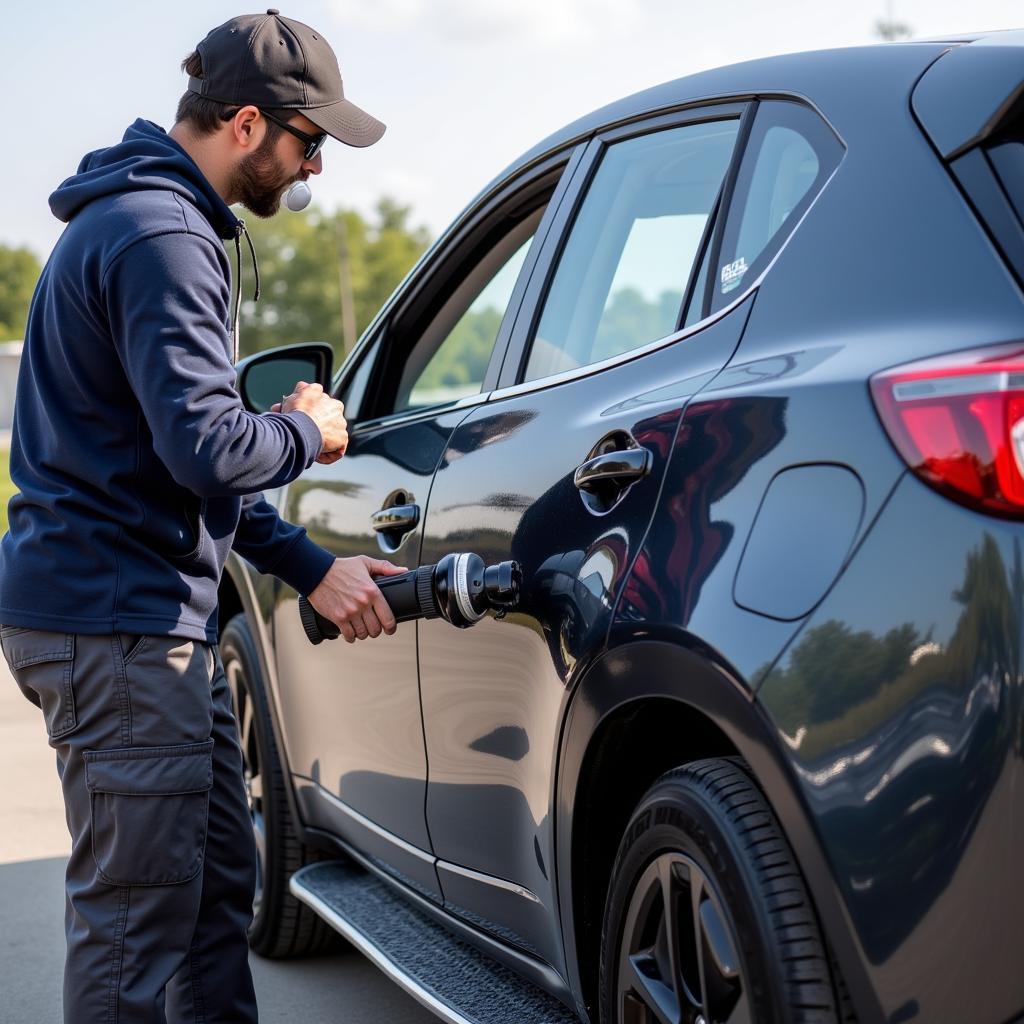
(326, 413)
(348, 597)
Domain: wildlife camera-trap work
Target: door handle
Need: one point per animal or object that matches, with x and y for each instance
(396, 519)
(618, 469)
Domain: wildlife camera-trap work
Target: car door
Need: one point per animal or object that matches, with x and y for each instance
(560, 470)
(350, 714)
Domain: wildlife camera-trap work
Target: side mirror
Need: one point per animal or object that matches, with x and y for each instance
(265, 377)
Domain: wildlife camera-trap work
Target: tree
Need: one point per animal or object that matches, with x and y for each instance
(629, 319)
(890, 29)
(309, 261)
(19, 272)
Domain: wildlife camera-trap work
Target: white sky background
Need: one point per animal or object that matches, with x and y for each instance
(465, 86)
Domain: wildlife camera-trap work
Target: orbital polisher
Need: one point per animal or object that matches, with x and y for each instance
(460, 589)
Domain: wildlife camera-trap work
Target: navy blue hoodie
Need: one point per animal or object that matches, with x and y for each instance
(137, 466)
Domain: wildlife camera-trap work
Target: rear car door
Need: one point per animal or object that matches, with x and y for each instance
(560, 470)
(350, 714)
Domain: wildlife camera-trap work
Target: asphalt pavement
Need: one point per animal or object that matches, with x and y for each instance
(343, 988)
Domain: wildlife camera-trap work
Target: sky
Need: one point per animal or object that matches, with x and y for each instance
(464, 86)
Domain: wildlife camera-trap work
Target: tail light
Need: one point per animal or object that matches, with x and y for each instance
(958, 421)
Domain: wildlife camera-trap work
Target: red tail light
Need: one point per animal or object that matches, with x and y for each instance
(958, 420)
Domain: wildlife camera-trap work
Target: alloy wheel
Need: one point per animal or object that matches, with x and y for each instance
(678, 960)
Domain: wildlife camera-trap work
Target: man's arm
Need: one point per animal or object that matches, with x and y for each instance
(167, 303)
(278, 547)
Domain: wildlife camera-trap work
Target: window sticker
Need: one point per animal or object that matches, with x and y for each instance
(732, 274)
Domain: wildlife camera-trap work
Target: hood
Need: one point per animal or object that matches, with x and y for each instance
(146, 158)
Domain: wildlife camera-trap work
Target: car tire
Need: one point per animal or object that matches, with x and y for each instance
(281, 926)
(707, 915)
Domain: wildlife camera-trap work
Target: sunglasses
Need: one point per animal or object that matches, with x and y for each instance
(313, 143)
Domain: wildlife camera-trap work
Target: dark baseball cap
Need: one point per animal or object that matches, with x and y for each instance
(269, 61)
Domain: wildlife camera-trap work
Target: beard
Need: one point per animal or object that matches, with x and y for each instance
(260, 179)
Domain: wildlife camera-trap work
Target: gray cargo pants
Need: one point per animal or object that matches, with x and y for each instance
(163, 864)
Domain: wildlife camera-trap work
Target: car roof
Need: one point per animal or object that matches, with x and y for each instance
(829, 79)
(972, 93)
(796, 73)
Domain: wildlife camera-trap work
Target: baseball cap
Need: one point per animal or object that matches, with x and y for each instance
(275, 62)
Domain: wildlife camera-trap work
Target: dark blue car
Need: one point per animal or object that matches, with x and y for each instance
(734, 370)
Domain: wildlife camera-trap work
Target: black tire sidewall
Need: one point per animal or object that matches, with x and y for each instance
(237, 644)
(676, 816)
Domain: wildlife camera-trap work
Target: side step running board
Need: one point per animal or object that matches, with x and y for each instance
(448, 976)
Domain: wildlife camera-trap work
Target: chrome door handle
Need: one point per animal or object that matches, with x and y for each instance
(396, 519)
(620, 469)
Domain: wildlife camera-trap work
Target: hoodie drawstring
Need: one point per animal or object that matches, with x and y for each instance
(239, 231)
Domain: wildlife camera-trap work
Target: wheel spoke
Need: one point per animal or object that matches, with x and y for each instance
(260, 835)
(645, 971)
(232, 678)
(670, 892)
(723, 956)
(634, 1010)
(696, 892)
(656, 995)
(740, 1012)
(723, 980)
(256, 787)
(245, 729)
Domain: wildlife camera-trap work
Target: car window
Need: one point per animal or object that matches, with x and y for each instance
(790, 156)
(992, 175)
(449, 360)
(626, 264)
(695, 309)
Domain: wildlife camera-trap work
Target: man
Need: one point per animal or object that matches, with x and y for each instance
(138, 469)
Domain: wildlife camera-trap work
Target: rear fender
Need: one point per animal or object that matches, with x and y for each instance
(677, 667)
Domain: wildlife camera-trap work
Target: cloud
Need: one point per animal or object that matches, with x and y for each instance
(381, 15)
(545, 22)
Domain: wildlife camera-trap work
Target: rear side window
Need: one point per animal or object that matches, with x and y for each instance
(992, 175)
(624, 271)
(970, 104)
(1007, 157)
(790, 155)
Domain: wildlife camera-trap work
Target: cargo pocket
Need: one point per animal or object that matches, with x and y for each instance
(149, 811)
(42, 663)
